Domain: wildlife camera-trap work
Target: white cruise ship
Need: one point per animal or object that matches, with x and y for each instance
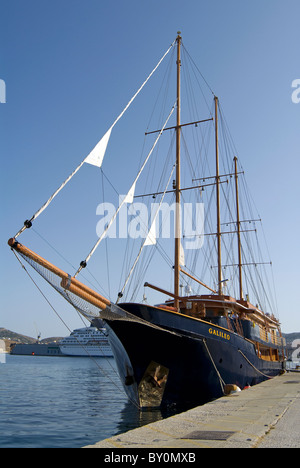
(86, 342)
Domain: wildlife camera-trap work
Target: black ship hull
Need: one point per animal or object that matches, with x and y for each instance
(182, 360)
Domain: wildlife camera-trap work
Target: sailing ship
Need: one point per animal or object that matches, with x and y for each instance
(188, 349)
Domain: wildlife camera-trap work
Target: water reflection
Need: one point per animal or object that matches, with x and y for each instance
(131, 417)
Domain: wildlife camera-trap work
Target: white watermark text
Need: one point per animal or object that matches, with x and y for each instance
(2, 352)
(296, 92)
(137, 220)
(2, 92)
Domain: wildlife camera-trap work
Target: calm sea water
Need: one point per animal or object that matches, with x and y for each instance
(58, 402)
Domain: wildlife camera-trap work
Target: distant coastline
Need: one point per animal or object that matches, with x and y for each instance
(12, 338)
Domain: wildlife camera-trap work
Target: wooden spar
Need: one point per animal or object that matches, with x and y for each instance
(156, 288)
(80, 292)
(91, 292)
(182, 125)
(71, 284)
(181, 190)
(177, 188)
(197, 281)
(35, 257)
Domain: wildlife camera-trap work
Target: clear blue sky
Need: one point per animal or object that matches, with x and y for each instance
(70, 66)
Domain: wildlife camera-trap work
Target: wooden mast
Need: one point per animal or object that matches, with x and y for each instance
(238, 228)
(218, 200)
(177, 189)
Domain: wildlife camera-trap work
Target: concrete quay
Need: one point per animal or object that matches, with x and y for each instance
(264, 416)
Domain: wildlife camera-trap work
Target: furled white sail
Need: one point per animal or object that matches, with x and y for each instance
(181, 255)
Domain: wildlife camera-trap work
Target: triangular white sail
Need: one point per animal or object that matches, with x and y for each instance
(151, 236)
(97, 154)
(130, 195)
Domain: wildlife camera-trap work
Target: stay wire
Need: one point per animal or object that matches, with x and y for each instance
(99, 286)
(64, 323)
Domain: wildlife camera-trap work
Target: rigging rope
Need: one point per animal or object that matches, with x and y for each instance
(68, 328)
(222, 383)
(144, 243)
(84, 262)
(268, 377)
(28, 223)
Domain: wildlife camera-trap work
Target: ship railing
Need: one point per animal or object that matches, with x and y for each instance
(272, 338)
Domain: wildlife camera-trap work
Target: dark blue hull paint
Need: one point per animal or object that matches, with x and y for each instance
(200, 358)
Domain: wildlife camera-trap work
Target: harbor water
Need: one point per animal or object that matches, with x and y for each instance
(57, 402)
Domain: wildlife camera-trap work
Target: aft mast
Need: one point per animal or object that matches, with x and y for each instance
(177, 188)
(238, 228)
(219, 288)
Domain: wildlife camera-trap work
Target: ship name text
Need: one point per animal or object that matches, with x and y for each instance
(213, 331)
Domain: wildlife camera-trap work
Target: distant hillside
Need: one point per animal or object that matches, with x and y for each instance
(290, 337)
(11, 337)
(290, 349)
(18, 338)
